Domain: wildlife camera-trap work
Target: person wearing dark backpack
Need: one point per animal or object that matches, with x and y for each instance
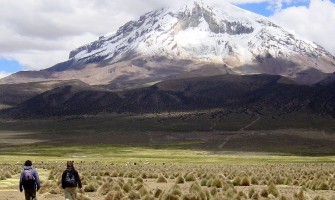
(70, 181)
(29, 181)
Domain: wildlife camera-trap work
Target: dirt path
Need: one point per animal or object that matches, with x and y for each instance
(247, 126)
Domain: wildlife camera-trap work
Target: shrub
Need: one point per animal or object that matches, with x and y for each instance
(203, 182)
(8, 175)
(323, 186)
(180, 180)
(213, 191)
(217, 183)
(196, 190)
(158, 192)
(143, 191)
(104, 188)
(89, 188)
(134, 195)
(254, 181)
(82, 197)
(245, 181)
(127, 187)
(264, 193)
(144, 175)
(51, 177)
(148, 197)
(236, 181)
(251, 192)
(300, 195)
(161, 179)
(175, 190)
(255, 196)
(114, 174)
(114, 195)
(190, 177)
(272, 189)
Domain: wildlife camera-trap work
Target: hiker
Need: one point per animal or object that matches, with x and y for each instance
(70, 181)
(29, 181)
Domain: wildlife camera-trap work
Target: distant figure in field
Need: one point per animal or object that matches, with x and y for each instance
(70, 181)
(29, 181)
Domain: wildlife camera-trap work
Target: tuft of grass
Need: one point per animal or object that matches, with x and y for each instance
(217, 183)
(264, 193)
(176, 190)
(8, 174)
(251, 192)
(134, 195)
(90, 188)
(158, 192)
(114, 174)
(113, 195)
(190, 177)
(82, 197)
(323, 186)
(254, 180)
(245, 181)
(161, 179)
(127, 187)
(237, 181)
(272, 189)
(180, 180)
(104, 189)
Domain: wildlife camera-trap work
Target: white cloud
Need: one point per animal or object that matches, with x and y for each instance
(315, 22)
(4, 74)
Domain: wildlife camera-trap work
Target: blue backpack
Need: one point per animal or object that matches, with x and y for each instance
(28, 177)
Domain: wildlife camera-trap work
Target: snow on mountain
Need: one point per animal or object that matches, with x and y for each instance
(197, 37)
(200, 32)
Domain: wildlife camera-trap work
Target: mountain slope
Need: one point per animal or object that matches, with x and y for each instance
(257, 95)
(196, 36)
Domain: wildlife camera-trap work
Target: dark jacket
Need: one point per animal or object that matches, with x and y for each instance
(76, 176)
(33, 185)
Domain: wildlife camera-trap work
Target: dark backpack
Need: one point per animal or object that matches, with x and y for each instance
(70, 179)
(28, 177)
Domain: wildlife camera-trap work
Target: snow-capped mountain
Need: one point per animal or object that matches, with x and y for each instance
(195, 39)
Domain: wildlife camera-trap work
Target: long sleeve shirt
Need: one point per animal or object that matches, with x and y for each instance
(32, 185)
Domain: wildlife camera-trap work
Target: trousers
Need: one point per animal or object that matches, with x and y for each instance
(30, 194)
(70, 193)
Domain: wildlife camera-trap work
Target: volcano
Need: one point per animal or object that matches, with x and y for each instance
(194, 39)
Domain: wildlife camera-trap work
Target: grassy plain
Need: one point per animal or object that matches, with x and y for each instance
(242, 157)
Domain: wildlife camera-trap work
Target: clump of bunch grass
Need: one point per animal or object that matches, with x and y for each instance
(114, 195)
(161, 179)
(90, 188)
(180, 180)
(190, 177)
(105, 188)
(217, 183)
(8, 174)
(272, 189)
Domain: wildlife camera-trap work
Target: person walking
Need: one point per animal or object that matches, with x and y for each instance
(70, 181)
(29, 181)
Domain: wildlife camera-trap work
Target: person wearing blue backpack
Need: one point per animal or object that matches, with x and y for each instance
(29, 181)
(70, 181)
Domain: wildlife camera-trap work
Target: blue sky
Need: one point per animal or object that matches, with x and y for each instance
(26, 43)
(9, 65)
